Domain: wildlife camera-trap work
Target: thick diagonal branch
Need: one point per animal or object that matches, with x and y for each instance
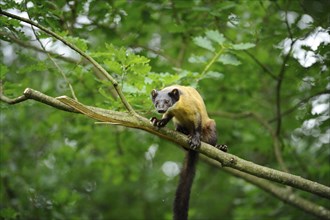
(281, 193)
(228, 160)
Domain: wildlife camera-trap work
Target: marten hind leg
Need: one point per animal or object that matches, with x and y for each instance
(210, 136)
(195, 138)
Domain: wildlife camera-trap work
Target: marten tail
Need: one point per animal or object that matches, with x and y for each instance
(181, 202)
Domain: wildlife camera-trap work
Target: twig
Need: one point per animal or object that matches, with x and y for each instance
(37, 96)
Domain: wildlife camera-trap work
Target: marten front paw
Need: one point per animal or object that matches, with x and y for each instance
(194, 142)
(157, 123)
(222, 147)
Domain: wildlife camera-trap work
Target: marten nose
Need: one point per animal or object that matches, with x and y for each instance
(161, 111)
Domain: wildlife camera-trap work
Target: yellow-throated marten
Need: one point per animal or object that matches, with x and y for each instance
(185, 105)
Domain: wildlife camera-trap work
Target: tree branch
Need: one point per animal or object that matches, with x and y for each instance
(37, 96)
(278, 106)
(267, 126)
(281, 193)
(83, 54)
(226, 159)
(290, 110)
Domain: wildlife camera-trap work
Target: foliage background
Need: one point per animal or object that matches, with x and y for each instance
(57, 165)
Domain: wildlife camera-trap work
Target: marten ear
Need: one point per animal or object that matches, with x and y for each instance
(175, 94)
(154, 93)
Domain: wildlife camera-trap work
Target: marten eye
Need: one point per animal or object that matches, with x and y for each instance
(157, 102)
(167, 101)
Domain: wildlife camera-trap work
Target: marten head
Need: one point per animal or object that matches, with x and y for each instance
(164, 99)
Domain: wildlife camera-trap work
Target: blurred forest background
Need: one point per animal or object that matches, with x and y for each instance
(261, 66)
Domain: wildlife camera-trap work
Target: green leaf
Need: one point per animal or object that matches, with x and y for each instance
(147, 80)
(9, 22)
(101, 54)
(229, 59)
(118, 54)
(204, 43)
(136, 59)
(110, 48)
(243, 46)
(121, 54)
(215, 36)
(214, 75)
(36, 67)
(175, 28)
(114, 66)
(131, 89)
(197, 59)
(140, 69)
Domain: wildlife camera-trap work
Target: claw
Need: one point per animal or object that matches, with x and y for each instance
(153, 121)
(157, 123)
(194, 142)
(222, 147)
